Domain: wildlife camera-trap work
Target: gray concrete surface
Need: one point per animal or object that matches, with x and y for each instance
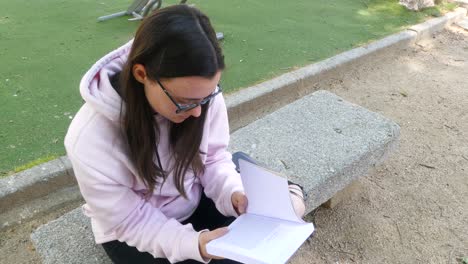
(427, 29)
(243, 107)
(463, 3)
(463, 23)
(320, 141)
(68, 239)
(42, 205)
(34, 183)
(398, 40)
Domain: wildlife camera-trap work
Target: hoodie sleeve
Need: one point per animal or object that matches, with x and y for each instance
(132, 219)
(119, 212)
(220, 179)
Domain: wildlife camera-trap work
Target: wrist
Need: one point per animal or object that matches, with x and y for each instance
(202, 246)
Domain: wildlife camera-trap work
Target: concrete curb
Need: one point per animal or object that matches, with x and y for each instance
(36, 182)
(256, 101)
(427, 29)
(463, 3)
(243, 107)
(259, 100)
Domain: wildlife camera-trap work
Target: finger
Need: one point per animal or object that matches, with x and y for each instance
(213, 257)
(242, 204)
(213, 235)
(216, 233)
(206, 237)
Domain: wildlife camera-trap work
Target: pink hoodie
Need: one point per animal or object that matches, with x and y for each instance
(109, 183)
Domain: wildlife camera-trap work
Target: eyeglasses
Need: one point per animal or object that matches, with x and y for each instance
(187, 107)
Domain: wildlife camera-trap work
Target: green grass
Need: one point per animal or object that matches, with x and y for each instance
(34, 163)
(47, 45)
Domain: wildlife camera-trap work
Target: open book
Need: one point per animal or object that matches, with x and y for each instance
(270, 231)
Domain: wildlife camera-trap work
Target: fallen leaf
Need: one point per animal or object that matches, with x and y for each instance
(426, 166)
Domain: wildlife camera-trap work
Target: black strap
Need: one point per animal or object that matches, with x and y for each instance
(159, 162)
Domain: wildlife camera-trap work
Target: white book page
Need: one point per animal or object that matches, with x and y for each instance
(258, 239)
(267, 193)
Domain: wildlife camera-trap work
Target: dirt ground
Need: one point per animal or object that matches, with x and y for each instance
(414, 207)
(15, 243)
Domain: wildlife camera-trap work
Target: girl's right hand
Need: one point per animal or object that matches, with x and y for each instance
(206, 237)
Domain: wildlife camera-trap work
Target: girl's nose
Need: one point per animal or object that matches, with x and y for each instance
(196, 112)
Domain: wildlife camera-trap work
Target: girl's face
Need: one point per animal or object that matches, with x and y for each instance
(183, 90)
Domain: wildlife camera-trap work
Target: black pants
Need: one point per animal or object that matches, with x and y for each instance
(206, 216)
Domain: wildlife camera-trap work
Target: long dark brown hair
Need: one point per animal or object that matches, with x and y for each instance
(176, 41)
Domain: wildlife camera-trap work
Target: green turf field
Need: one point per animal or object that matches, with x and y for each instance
(47, 45)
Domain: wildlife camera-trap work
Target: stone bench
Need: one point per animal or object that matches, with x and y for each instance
(320, 141)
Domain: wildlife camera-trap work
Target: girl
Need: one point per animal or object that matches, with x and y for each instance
(149, 145)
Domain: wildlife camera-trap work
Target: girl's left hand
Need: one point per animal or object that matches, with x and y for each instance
(239, 202)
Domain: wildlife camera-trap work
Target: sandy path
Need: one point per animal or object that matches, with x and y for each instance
(413, 208)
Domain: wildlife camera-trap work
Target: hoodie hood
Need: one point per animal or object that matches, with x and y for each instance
(96, 88)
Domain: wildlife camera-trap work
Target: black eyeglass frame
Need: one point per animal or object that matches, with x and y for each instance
(187, 107)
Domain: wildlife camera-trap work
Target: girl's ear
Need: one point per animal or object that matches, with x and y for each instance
(139, 73)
